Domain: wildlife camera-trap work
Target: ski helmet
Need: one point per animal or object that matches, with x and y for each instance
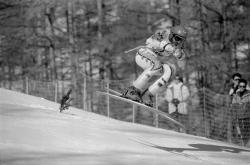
(178, 34)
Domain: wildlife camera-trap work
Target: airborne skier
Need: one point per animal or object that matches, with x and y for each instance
(159, 57)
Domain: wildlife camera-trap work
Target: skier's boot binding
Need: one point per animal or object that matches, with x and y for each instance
(132, 93)
(149, 99)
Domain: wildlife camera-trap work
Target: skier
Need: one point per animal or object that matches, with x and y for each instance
(159, 57)
(65, 101)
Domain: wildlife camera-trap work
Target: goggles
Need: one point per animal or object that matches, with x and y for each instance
(178, 38)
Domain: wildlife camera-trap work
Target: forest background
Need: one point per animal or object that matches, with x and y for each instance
(67, 40)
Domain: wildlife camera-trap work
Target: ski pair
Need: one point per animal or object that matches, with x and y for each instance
(117, 95)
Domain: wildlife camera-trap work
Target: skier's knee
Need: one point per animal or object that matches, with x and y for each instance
(167, 72)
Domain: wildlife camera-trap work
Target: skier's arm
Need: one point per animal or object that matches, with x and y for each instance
(156, 41)
(153, 43)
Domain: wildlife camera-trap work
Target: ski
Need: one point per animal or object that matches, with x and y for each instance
(117, 95)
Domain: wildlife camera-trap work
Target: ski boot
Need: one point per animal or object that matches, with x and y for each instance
(133, 93)
(149, 99)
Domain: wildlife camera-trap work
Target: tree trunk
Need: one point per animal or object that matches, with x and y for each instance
(175, 11)
(50, 13)
(100, 36)
(73, 56)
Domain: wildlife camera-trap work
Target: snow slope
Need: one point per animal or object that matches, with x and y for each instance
(32, 131)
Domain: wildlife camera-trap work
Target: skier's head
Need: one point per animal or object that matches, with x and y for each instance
(178, 35)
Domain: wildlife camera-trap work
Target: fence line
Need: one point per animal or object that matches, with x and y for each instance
(209, 113)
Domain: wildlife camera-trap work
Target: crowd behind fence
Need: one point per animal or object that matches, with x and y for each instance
(210, 114)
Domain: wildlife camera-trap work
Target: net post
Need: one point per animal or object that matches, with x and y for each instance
(85, 101)
(26, 85)
(204, 110)
(108, 99)
(134, 110)
(56, 90)
(157, 108)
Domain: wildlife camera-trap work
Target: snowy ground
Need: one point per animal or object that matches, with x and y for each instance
(32, 131)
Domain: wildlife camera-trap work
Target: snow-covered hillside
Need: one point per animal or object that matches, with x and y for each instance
(32, 131)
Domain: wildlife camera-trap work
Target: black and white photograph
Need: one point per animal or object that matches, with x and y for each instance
(124, 82)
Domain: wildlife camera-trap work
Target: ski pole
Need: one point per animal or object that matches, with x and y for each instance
(138, 47)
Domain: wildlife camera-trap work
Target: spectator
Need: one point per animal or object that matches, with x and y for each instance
(235, 82)
(176, 95)
(241, 101)
(242, 94)
(232, 117)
